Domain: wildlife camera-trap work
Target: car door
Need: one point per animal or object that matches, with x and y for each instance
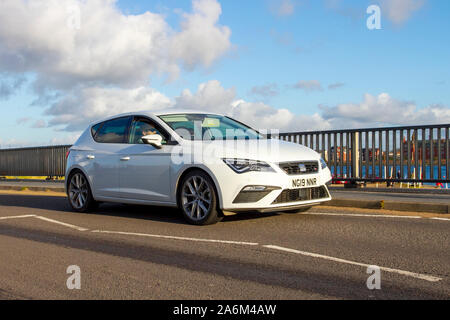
(111, 138)
(145, 171)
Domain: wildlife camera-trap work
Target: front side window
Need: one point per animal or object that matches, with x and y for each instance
(113, 131)
(209, 127)
(142, 128)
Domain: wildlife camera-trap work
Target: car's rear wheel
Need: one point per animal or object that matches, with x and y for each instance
(79, 193)
(198, 199)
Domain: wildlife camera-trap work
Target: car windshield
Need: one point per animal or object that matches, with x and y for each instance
(209, 127)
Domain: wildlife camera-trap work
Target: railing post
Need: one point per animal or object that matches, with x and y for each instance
(355, 154)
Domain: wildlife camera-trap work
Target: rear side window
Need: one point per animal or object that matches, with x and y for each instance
(112, 131)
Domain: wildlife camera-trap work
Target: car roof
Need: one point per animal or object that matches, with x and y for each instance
(181, 111)
(155, 114)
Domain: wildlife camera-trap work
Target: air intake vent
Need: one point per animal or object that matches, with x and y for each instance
(300, 168)
(296, 195)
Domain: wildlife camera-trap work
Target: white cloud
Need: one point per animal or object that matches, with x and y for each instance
(383, 110)
(308, 86)
(262, 116)
(201, 40)
(110, 47)
(376, 111)
(399, 11)
(79, 108)
(210, 96)
(75, 111)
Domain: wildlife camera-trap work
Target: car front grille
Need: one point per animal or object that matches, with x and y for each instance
(300, 168)
(296, 195)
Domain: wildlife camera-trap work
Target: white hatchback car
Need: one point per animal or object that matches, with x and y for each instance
(204, 164)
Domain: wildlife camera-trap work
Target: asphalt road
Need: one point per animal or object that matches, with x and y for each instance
(130, 252)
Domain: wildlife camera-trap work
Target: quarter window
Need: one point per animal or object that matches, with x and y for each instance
(113, 131)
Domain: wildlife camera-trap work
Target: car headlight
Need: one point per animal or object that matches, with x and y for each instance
(243, 166)
(323, 164)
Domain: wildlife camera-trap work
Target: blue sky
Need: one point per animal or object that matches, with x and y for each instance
(275, 60)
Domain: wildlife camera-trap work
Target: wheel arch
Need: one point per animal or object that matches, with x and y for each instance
(186, 171)
(73, 170)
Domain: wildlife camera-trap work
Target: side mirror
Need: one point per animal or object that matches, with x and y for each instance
(154, 140)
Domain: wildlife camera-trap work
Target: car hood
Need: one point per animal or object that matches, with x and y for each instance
(273, 150)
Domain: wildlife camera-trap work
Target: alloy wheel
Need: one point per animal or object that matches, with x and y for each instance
(196, 198)
(78, 191)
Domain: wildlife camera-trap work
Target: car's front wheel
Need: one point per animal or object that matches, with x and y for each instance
(198, 199)
(79, 193)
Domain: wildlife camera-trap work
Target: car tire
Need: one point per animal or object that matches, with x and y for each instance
(301, 210)
(79, 193)
(197, 199)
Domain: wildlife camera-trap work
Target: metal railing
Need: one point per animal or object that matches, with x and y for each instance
(395, 154)
(39, 161)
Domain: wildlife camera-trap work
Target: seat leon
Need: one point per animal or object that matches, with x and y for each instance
(205, 164)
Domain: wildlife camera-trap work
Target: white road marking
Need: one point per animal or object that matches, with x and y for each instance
(62, 223)
(18, 217)
(441, 219)
(320, 256)
(176, 238)
(273, 247)
(359, 215)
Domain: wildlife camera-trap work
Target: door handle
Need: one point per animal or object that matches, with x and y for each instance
(90, 157)
(125, 159)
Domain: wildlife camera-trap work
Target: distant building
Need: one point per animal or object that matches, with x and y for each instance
(338, 152)
(370, 154)
(427, 149)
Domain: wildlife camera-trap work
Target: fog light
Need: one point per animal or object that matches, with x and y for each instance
(252, 194)
(254, 189)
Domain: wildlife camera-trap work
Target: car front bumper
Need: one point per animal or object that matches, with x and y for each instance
(284, 191)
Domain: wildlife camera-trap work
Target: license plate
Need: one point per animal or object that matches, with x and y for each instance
(303, 183)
